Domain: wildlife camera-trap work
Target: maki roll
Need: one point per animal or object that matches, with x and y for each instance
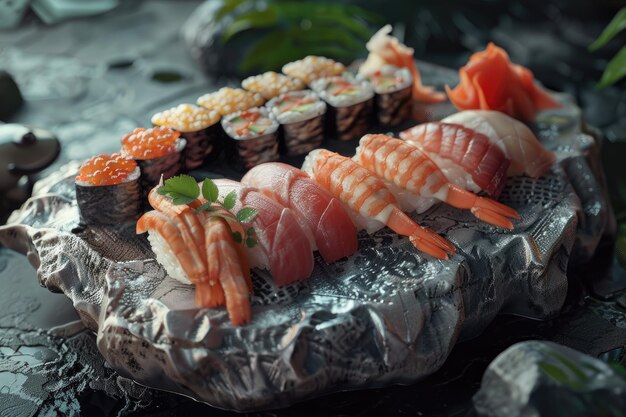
(108, 190)
(229, 100)
(394, 90)
(157, 151)
(198, 126)
(270, 84)
(351, 104)
(301, 114)
(251, 138)
(313, 67)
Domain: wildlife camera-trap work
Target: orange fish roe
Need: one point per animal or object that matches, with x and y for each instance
(313, 67)
(186, 118)
(150, 143)
(106, 169)
(270, 84)
(229, 100)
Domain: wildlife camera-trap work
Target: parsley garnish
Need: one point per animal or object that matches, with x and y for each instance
(183, 189)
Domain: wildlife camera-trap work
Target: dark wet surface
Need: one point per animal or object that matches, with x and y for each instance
(93, 88)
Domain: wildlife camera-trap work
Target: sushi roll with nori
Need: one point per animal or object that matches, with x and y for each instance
(313, 67)
(158, 151)
(251, 138)
(270, 84)
(301, 115)
(394, 88)
(198, 126)
(108, 190)
(351, 104)
(229, 100)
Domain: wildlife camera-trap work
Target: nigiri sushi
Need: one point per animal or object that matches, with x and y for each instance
(319, 213)
(528, 156)
(410, 169)
(467, 158)
(199, 249)
(283, 247)
(371, 205)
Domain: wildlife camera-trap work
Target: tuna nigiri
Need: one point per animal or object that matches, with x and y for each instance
(319, 213)
(283, 247)
(467, 158)
(527, 154)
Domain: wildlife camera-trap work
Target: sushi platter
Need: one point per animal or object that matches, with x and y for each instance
(312, 293)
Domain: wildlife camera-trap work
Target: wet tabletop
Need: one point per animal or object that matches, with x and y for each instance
(93, 80)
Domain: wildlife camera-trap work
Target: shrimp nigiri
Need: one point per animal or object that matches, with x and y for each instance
(184, 240)
(409, 168)
(527, 154)
(369, 201)
(319, 213)
(283, 247)
(467, 158)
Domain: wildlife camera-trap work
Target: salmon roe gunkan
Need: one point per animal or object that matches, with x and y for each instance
(150, 143)
(106, 169)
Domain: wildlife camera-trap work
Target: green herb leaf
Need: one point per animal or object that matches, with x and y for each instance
(229, 200)
(613, 28)
(182, 189)
(210, 190)
(237, 237)
(246, 215)
(615, 70)
(250, 242)
(555, 373)
(208, 206)
(250, 231)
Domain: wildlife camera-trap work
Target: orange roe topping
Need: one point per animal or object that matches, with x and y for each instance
(149, 143)
(106, 169)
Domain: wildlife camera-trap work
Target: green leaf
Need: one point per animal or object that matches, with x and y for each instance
(250, 242)
(555, 373)
(228, 7)
(246, 214)
(613, 28)
(615, 70)
(270, 52)
(182, 189)
(179, 201)
(210, 190)
(230, 200)
(571, 366)
(254, 19)
(250, 231)
(208, 206)
(237, 237)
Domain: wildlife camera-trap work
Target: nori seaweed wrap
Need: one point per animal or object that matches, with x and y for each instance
(394, 90)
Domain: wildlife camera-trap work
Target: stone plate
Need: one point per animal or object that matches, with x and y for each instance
(385, 315)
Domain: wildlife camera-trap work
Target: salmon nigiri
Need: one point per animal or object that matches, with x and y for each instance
(328, 224)
(283, 247)
(527, 154)
(466, 157)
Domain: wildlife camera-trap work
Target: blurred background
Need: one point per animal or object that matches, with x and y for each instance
(92, 70)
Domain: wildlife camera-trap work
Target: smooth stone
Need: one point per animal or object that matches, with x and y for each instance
(536, 378)
(12, 98)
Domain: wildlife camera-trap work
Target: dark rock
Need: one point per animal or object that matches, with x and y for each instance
(11, 96)
(545, 379)
(203, 34)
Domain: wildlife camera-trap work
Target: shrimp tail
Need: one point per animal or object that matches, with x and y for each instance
(226, 270)
(485, 209)
(209, 294)
(422, 238)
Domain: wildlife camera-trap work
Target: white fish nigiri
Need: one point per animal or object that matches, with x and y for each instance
(527, 154)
